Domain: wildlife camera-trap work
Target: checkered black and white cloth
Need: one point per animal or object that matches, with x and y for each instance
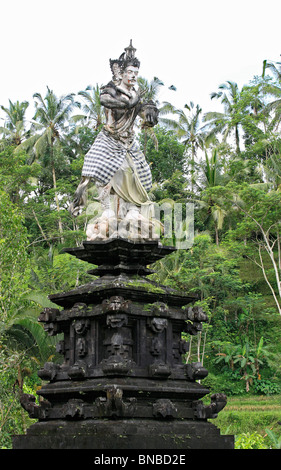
(107, 155)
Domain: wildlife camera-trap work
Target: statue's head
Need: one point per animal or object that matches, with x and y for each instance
(126, 64)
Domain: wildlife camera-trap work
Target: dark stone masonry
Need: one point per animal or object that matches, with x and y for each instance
(122, 383)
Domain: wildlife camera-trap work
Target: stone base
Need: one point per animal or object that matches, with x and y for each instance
(123, 434)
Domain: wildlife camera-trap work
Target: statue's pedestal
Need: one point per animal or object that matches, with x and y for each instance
(124, 434)
(123, 383)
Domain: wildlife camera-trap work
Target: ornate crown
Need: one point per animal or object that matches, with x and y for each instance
(126, 58)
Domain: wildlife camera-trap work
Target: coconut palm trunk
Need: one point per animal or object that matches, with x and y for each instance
(50, 117)
(57, 200)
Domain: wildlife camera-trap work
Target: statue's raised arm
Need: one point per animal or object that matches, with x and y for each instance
(115, 162)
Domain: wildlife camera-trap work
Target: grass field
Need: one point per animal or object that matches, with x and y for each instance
(252, 415)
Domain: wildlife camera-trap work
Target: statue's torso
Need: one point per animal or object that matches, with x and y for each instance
(121, 110)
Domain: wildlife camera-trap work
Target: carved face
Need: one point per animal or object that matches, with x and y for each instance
(117, 76)
(116, 321)
(130, 74)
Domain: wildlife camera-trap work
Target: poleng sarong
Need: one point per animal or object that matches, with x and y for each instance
(107, 155)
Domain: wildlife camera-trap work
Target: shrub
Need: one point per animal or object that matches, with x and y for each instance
(266, 387)
(225, 383)
(250, 441)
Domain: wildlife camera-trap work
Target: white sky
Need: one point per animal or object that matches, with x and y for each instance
(194, 45)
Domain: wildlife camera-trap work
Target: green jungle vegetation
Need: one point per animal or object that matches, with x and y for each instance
(227, 164)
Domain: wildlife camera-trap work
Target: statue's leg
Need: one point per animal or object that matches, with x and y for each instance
(143, 223)
(106, 225)
(105, 200)
(133, 225)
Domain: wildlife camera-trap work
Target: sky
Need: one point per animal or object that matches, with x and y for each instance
(193, 45)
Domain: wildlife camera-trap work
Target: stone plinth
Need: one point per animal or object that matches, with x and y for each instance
(123, 383)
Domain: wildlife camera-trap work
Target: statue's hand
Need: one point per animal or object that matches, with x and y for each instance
(149, 121)
(79, 199)
(149, 113)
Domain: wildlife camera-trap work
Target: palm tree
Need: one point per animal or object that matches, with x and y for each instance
(14, 127)
(51, 115)
(93, 113)
(149, 91)
(188, 129)
(22, 331)
(230, 120)
(274, 90)
(212, 169)
(212, 177)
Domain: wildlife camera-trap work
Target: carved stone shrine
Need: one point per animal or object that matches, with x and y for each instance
(122, 383)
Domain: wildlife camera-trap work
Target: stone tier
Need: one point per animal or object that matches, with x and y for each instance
(119, 255)
(122, 345)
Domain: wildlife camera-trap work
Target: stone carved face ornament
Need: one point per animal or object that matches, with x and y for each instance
(116, 321)
(158, 324)
(159, 308)
(115, 304)
(81, 326)
(116, 72)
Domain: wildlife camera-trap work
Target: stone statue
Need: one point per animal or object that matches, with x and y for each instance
(115, 162)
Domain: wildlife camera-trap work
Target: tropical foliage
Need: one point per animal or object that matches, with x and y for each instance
(226, 163)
